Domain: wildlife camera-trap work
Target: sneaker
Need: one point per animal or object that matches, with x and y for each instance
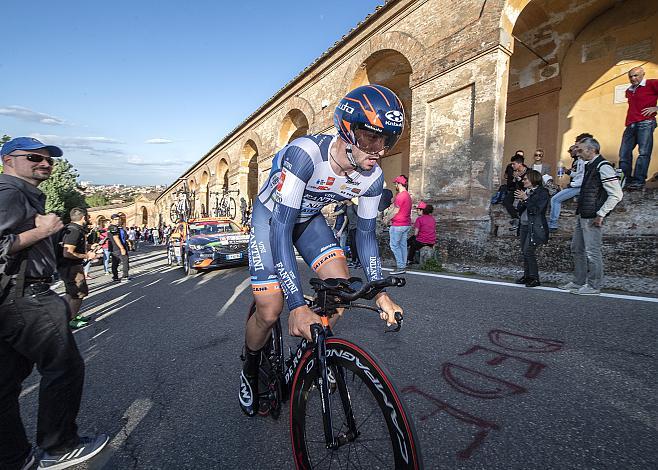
(83, 319)
(29, 461)
(587, 290)
(398, 271)
(521, 280)
(571, 287)
(116, 279)
(126, 279)
(75, 324)
(248, 394)
(532, 283)
(56, 284)
(86, 449)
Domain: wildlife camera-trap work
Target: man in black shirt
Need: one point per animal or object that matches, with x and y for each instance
(34, 320)
(74, 247)
(119, 248)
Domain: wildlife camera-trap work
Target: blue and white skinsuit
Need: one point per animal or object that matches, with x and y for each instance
(287, 212)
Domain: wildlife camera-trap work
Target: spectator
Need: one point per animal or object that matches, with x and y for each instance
(156, 236)
(533, 227)
(424, 231)
(640, 124)
(576, 172)
(131, 238)
(352, 218)
(340, 224)
(75, 254)
(104, 243)
(550, 185)
(118, 249)
(599, 194)
(400, 220)
(538, 163)
(514, 173)
(34, 320)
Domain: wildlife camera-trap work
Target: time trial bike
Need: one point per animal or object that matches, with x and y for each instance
(345, 411)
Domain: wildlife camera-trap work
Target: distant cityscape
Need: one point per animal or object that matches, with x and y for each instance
(115, 193)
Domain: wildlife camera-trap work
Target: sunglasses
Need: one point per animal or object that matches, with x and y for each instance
(36, 158)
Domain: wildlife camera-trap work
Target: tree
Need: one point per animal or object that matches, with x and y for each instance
(61, 190)
(3, 139)
(97, 200)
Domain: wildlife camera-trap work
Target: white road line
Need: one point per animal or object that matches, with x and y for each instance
(509, 284)
(154, 282)
(98, 334)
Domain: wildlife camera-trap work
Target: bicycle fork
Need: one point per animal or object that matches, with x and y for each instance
(320, 335)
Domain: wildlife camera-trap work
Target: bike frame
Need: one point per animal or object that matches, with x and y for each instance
(320, 334)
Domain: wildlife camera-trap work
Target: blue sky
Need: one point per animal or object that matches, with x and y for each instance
(137, 91)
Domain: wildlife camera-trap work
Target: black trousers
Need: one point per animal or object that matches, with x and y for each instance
(118, 258)
(530, 269)
(508, 203)
(414, 245)
(34, 331)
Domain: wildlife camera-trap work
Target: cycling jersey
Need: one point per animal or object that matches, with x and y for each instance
(287, 212)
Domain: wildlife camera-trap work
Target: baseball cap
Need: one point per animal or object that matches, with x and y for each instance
(400, 179)
(421, 205)
(546, 178)
(29, 143)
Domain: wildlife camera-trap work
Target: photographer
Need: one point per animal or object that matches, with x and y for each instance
(533, 227)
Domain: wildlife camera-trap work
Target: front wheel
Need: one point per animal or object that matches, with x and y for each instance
(381, 433)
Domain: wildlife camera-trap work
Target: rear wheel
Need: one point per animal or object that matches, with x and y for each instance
(231, 208)
(384, 436)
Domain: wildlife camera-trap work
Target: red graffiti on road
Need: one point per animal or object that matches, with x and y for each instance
(477, 384)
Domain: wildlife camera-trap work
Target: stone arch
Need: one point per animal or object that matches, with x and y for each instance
(145, 216)
(249, 158)
(561, 69)
(299, 103)
(404, 44)
(391, 69)
(222, 174)
(294, 124)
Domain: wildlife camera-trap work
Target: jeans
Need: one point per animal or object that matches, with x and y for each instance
(640, 134)
(34, 330)
(528, 250)
(556, 204)
(106, 260)
(398, 244)
(586, 251)
(118, 258)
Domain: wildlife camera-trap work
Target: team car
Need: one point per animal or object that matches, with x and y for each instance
(206, 243)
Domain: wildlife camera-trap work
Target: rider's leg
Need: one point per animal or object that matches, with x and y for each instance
(268, 308)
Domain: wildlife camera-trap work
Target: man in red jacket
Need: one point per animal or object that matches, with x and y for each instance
(640, 124)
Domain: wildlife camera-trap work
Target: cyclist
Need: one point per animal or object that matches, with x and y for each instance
(306, 175)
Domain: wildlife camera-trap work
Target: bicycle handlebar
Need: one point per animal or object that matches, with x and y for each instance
(344, 289)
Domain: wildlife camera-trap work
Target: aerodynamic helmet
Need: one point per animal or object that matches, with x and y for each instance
(373, 108)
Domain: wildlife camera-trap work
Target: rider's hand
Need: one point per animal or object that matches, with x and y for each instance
(300, 321)
(388, 308)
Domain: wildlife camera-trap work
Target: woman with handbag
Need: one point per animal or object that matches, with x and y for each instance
(533, 227)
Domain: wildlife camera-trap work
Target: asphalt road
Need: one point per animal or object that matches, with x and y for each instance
(495, 376)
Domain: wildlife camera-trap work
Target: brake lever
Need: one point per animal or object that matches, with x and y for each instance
(398, 320)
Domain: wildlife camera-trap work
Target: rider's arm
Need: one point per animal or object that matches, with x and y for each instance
(366, 238)
(297, 169)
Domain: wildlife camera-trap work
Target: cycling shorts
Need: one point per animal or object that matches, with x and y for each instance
(314, 240)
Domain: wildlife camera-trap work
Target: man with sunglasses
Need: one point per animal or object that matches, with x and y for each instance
(34, 320)
(306, 175)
